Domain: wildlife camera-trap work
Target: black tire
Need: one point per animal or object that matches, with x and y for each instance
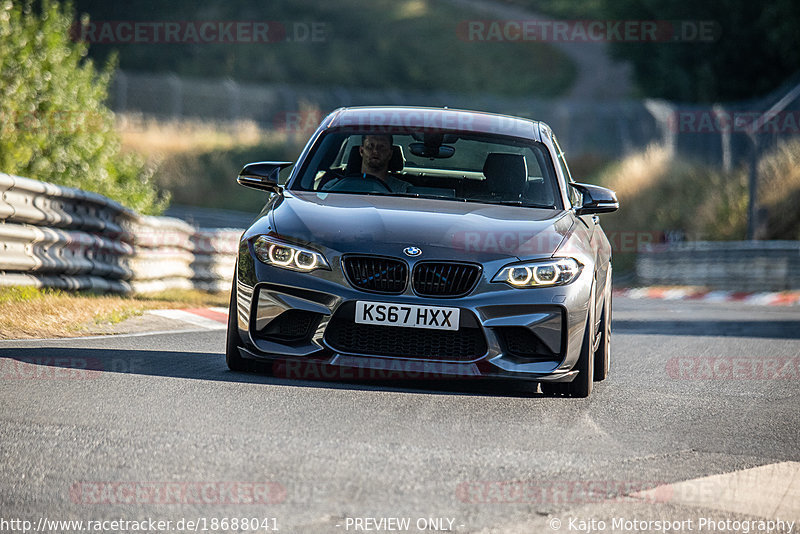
(602, 357)
(233, 340)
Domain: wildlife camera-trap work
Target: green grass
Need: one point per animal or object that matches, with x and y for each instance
(23, 294)
(188, 297)
(117, 316)
(208, 179)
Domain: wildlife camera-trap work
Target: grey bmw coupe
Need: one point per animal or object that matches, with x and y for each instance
(425, 243)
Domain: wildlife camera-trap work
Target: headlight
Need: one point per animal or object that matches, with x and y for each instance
(281, 254)
(556, 272)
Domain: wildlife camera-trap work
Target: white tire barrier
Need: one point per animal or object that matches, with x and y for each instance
(54, 236)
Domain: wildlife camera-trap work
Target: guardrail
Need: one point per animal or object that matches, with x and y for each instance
(67, 238)
(731, 265)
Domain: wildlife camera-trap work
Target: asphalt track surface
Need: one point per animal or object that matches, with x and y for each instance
(158, 426)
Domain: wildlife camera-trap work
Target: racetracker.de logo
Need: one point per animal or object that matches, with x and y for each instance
(198, 32)
(379, 370)
(68, 367)
(560, 492)
(716, 121)
(211, 493)
(304, 121)
(516, 243)
(50, 368)
(588, 31)
(393, 122)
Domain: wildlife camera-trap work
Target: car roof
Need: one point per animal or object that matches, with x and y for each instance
(397, 119)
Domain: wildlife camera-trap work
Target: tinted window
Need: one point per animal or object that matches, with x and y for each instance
(477, 168)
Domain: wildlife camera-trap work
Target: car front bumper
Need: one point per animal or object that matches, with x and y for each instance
(296, 320)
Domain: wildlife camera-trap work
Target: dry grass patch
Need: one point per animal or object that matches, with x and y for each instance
(779, 190)
(196, 161)
(660, 193)
(40, 313)
(638, 173)
(158, 138)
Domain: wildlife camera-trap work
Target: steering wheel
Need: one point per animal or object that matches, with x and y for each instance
(356, 183)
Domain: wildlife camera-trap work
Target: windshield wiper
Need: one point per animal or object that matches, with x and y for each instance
(444, 197)
(421, 195)
(463, 199)
(509, 203)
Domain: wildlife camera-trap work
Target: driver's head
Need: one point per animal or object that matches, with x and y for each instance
(376, 152)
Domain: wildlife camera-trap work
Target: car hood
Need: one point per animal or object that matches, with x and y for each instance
(443, 229)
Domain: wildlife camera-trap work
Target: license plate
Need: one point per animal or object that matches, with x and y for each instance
(407, 315)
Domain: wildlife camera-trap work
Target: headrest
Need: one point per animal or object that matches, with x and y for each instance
(398, 161)
(507, 174)
(353, 161)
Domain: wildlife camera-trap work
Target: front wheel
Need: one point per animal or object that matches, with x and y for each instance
(602, 357)
(233, 340)
(581, 386)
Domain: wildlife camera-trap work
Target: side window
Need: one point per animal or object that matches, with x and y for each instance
(574, 195)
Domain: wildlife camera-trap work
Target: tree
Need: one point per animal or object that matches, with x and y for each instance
(54, 125)
(755, 47)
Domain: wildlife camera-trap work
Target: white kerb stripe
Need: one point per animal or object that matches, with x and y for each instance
(190, 318)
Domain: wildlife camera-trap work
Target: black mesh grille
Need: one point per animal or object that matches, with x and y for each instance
(376, 274)
(520, 341)
(291, 325)
(465, 344)
(445, 279)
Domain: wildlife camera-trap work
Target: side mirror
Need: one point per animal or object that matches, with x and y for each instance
(262, 175)
(596, 199)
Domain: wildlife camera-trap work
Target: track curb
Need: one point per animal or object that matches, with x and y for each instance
(774, 298)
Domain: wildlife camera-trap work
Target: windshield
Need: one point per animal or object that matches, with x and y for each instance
(456, 166)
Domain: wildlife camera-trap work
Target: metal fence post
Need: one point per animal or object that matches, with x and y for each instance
(752, 202)
(234, 99)
(663, 113)
(725, 136)
(177, 96)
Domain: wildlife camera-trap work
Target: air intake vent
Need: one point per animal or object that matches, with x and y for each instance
(344, 335)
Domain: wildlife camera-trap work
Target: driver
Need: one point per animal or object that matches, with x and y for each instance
(376, 153)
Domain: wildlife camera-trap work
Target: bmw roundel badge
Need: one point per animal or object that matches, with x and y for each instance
(412, 251)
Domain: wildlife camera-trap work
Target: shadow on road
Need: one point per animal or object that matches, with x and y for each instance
(54, 363)
(757, 329)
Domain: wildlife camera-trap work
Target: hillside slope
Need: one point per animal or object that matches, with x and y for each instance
(406, 44)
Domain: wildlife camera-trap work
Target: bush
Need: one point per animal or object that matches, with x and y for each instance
(54, 126)
(191, 175)
(779, 190)
(658, 193)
